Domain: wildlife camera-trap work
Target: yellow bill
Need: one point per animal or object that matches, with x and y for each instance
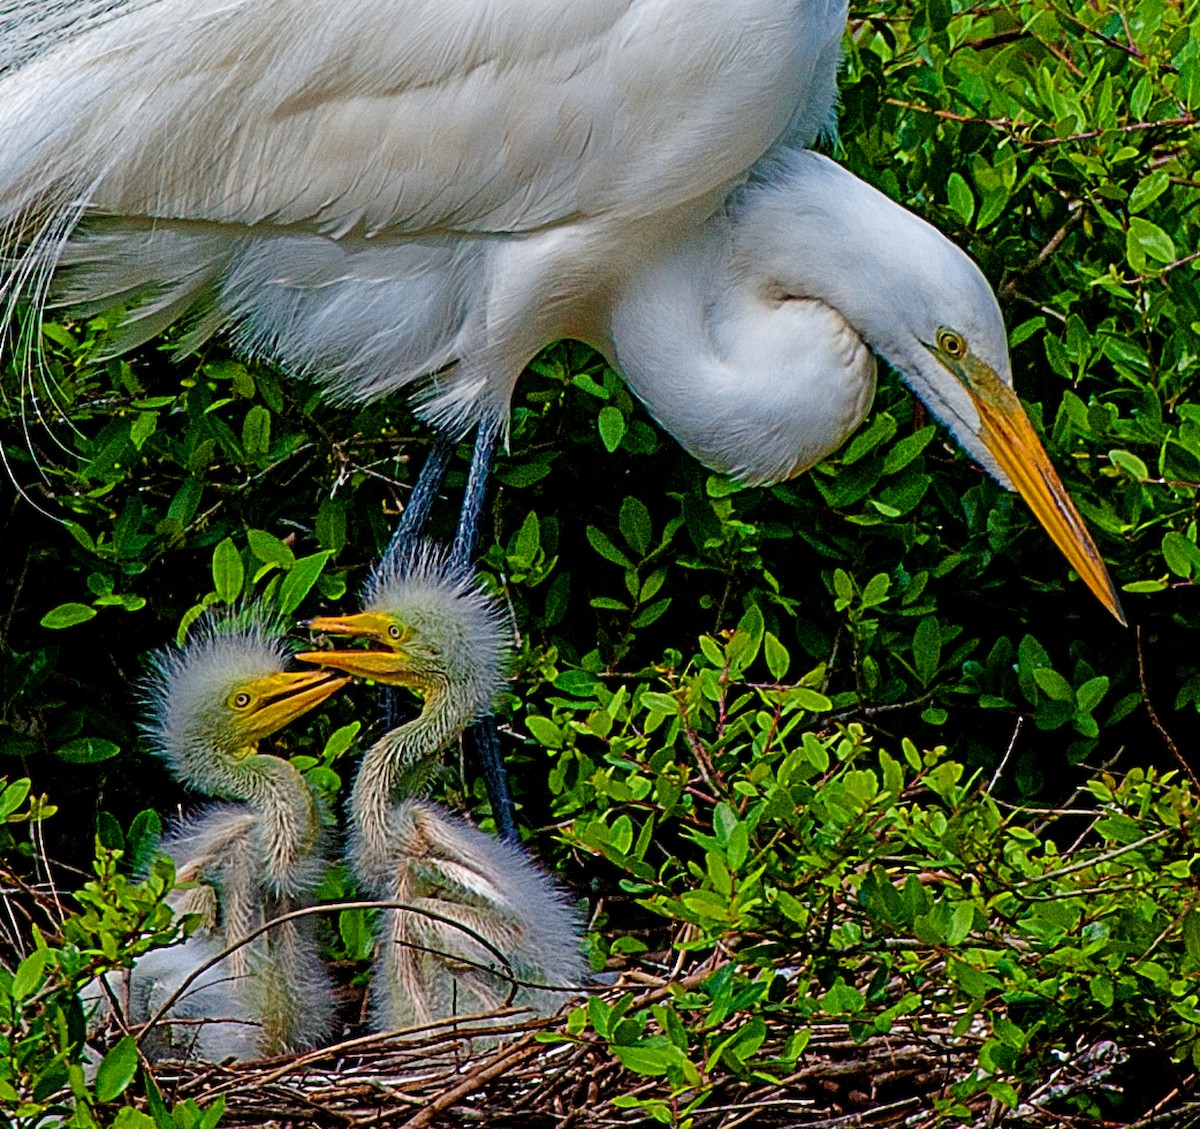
(270, 703)
(387, 662)
(1007, 433)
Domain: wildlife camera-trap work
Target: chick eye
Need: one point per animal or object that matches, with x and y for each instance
(952, 344)
(393, 632)
(241, 701)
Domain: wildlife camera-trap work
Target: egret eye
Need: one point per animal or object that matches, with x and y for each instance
(393, 632)
(952, 344)
(240, 701)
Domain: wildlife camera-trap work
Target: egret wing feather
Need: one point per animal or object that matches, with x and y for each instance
(494, 118)
(387, 196)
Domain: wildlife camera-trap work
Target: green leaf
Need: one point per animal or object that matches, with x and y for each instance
(809, 700)
(87, 750)
(876, 591)
(1054, 685)
(1025, 330)
(652, 612)
(600, 542)
(356, 932)
(13, 795)
(227, 570)
(1181, 554)
(577, 682)
(186, 501)
(612, 427)
(776, 654)
(141, 840)
(1147, 191)
(960, 923)
(67, 615)
(270, 550)
(1144, 587)
(927, 649)
(1191, 935)
(544, 732)
(960, 196)
(299, 581)
(117, 1070)
(130, 1118)
(635, 525)
(256, 432)
(1130, 464)
(1088, 696)
(29, 974)
(144, 425)
(650, 1061)
(905, 450)
(1148, 239)
(340, 740)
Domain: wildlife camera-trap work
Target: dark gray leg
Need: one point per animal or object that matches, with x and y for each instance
(412, 522)
(404, 544)
(481, 740)
(466, 538)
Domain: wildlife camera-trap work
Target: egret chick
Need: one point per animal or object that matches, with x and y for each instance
(241, 864)
(431, 629)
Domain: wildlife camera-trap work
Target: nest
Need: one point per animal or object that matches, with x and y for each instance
(506, 1069)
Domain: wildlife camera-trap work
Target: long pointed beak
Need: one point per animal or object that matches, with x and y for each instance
(379, 666)
(357, 626)
(288, 695)
(391, 665)
(1007, 433)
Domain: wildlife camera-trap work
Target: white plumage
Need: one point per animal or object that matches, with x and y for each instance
(239, 865)
(373, 192)
(431, 628)
(387, 192)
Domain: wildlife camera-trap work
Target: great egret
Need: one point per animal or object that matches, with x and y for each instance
(425, 195)
(431, 629)
(237, 865)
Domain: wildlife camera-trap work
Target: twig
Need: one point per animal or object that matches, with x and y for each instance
(1012, 744)
(481, 1074)
(1162, 729)
(1096, 860)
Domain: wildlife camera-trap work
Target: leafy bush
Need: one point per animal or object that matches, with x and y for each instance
(887, 891)
(1058, 146)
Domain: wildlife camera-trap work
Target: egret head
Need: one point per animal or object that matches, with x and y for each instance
(225, 691)
(426, 625)
(819, 233)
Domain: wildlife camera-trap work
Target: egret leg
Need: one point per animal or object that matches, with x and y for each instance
(412, 521)
(482, 741)
(404, 542)
(466, 538)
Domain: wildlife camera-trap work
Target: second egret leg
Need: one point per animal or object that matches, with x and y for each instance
(481, 740)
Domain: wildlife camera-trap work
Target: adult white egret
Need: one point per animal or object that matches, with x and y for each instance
(425, 194)
(240, 865)
(431, 629)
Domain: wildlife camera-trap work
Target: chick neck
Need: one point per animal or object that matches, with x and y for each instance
(399, 765)
(289, 823)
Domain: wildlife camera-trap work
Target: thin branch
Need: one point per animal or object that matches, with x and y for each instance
(1154, 720)
(1012, 744)
(309, 911)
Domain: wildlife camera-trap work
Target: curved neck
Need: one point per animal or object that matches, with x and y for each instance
(400, 764)
(756, 383)
(290, 822)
